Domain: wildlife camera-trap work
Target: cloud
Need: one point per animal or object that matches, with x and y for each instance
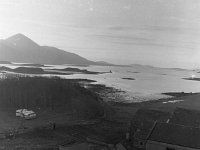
(121, 37)
(7, 2)
(144, 41)
(91, 9)
(127, 7)
(151, 28)
(154, 44)
(196, 21)
(54, 25)
(120, 28)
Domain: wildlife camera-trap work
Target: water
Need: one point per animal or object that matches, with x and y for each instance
(149, 82)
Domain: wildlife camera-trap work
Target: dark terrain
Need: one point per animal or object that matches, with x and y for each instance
(79, 113)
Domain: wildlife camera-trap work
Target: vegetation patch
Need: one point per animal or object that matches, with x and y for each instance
(54, 93)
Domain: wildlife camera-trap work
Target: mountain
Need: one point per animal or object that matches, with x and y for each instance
(20, 48)
(142, 66)
(103, 63)
(149, 67)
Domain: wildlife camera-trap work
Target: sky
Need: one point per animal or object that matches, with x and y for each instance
(164, 33)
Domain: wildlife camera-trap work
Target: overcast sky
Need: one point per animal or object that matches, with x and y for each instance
(154, 32)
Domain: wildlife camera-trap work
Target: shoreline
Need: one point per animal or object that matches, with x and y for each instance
(125, 111)
(114, 95)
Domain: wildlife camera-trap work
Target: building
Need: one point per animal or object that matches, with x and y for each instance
(167, 136)
(185, 117)
(142, 124)
(87, 144)
(141, 135)
(143, 116)
(83, 146)
(177, 125)
(91, 144)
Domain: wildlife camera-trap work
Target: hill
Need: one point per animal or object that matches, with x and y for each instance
(49, 93)
(20, 48)
(149, 67)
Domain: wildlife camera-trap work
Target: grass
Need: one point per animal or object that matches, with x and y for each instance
(110, 129)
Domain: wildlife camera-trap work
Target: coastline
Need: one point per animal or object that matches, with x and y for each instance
(111, 94)
(123, 111)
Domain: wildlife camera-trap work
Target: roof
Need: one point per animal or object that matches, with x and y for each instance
(150, 115)
(143, 130)
(176, 135)
(78, 146)
(186, 117)
(119, 146)
(84, 146)
(143, 121)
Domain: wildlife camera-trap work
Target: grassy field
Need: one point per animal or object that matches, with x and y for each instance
(110, 128)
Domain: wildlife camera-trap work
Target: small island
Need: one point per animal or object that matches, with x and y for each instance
(30, 70)
(77, 70)
(77, 65)
(194, 79)
(128, 78)
(133, 71)
(31, 65)
(38, 70)
(179, 94)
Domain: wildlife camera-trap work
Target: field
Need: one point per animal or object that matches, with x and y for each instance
(71, 126)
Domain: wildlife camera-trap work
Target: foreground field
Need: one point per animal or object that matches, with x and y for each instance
(71, 126)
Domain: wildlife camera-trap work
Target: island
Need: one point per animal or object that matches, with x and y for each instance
(77, 70)
(31, 65)
(194, 79)
(128, 78)
(30, 70)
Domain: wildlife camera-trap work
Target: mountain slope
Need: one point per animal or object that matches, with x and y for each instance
(20, 48)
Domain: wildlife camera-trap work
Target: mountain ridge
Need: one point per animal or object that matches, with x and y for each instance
(19, 48)
(155, 67)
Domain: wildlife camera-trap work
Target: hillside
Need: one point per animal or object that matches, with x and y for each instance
(20, 48)
(49, 93)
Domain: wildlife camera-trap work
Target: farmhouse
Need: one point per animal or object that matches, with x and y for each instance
(142, 124)
(185, 117)
(167, 136)
(153, 129)
(83, 146)
(87, 144)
